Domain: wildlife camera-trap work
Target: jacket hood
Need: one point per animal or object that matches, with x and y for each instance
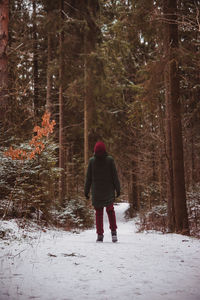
(99, 149)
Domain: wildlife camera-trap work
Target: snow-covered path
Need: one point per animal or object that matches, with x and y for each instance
(60, 265)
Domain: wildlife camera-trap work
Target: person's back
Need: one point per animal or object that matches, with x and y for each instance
(103, 180)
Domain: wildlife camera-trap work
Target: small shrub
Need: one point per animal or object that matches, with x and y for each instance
(75, 214)
(193, 196)
(155, 219)
(28, 186)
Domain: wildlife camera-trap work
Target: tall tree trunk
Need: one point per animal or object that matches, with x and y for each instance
(62, 151)
(49, 58)
(192, 158)
(161, 167)
(35, 65)
(86, 117)
(170, 186)
(181, 218)
(133, 192)
(90, 41)
(168, 134)
(4, 20)
(89, 95)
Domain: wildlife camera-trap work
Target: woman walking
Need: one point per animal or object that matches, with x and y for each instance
(103, 180)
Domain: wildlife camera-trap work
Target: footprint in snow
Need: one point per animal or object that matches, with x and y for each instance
(67, 255)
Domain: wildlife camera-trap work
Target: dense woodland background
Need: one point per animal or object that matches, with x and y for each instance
(122, 71)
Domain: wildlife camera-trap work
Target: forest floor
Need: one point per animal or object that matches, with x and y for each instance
(58, 265)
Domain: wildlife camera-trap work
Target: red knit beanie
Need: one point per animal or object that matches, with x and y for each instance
(99, 148)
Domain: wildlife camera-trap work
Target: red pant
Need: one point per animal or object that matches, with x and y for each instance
(111, 217)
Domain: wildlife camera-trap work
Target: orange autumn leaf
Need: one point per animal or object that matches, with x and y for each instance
(35, 142)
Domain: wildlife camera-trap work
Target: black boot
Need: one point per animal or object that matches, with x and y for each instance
(100, 238)
(114, 236)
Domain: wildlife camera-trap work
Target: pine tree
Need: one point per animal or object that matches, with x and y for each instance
(91, 37)
(62, 149)
(4, 20)
(35, 64)
(175, 128)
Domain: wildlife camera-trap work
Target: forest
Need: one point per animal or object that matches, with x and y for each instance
(125, 72)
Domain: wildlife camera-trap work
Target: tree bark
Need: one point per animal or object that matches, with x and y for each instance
(4, 20)
(49, 58)
(168, 133)
(174, 105)
(35, 65)
(90, 41)
(62, 150)
(192, 159)
(133, 192)
(162, 145)
(170, 186)
(86, 129)
(89, 46)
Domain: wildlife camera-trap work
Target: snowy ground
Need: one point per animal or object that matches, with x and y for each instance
(59, 265)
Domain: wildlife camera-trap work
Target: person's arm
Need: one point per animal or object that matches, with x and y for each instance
(88, 180)
(115, 179)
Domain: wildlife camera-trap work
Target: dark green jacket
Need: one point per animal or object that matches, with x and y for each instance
(103, 180)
